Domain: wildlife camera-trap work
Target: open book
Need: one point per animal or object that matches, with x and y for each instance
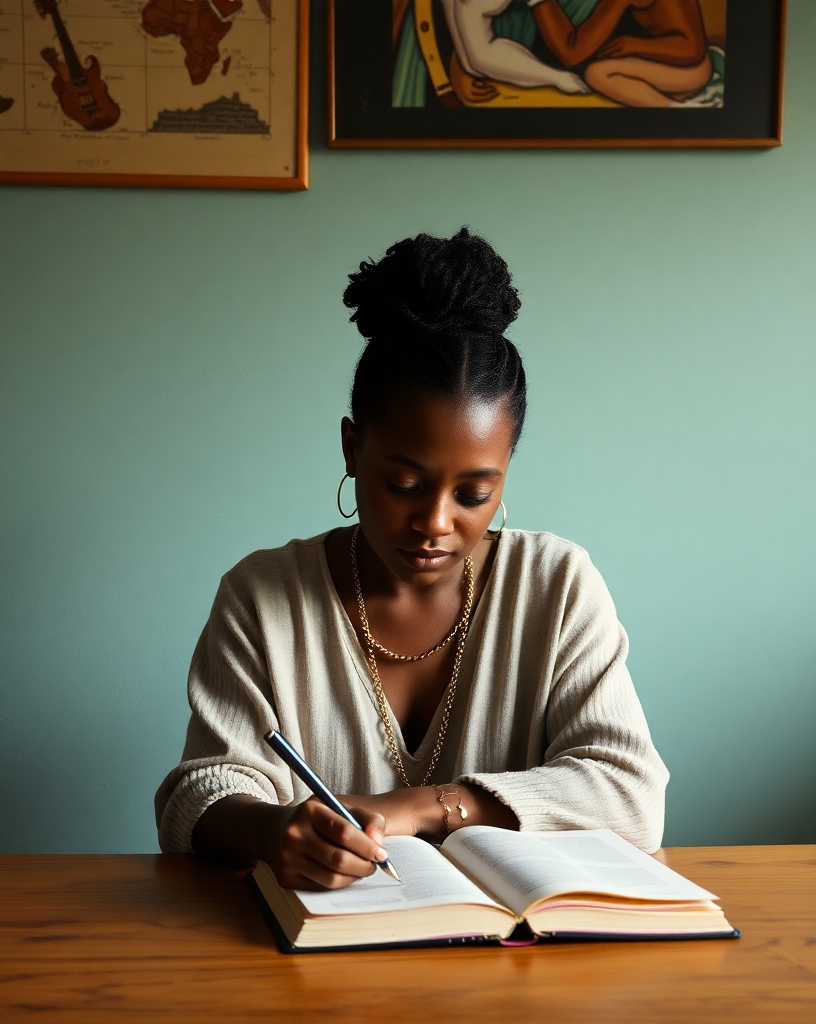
(484, 882)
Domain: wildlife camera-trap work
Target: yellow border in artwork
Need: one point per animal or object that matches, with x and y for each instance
(426, 36)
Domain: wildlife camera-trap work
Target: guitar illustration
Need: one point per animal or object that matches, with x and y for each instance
(81, 92)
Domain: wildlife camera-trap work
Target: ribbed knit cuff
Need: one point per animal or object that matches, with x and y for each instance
(197, 791)
(514, 790)
(606, 798)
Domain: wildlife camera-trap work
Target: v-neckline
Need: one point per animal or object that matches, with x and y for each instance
(360, 659)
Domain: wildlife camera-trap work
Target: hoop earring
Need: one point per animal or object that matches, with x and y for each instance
(504, 520)
(351, 515)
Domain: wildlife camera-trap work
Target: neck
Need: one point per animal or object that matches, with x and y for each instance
(68, 52)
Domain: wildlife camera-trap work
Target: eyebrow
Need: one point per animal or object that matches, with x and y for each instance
(471, 474)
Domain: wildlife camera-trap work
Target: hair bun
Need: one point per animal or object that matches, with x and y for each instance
(433, 287)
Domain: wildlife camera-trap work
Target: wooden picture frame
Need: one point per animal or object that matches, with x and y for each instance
(399, 76)
(192, 94)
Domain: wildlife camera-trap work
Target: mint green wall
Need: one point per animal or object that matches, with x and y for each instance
(175, 365)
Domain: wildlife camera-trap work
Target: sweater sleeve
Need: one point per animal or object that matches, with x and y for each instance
(599, 767)
(232, 708)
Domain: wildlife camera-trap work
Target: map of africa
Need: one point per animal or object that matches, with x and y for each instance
(170, 86)
(200, 26)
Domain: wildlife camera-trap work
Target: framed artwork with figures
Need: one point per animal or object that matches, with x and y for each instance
(182, 93)
(555, 73)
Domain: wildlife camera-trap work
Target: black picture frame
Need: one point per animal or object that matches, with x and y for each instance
(362, 40)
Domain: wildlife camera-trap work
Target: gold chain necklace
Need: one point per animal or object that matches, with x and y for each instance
(372, 646)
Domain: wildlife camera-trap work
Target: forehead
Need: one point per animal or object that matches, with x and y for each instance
(443, 432)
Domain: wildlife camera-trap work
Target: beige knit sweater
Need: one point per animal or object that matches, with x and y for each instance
(545, 717)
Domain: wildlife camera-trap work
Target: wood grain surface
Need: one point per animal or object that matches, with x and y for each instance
(169, 938)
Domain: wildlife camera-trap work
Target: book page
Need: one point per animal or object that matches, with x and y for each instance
(428, 880)
(520, 868)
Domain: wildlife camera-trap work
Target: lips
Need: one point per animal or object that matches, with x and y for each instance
(426, 559)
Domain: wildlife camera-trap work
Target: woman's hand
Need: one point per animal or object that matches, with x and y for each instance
(314, 848)
(622, 46)
(306, 845)
(467, 88)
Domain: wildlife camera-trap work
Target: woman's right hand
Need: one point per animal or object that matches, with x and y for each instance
(314, 848)
(306, 845)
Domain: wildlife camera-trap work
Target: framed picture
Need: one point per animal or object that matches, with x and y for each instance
(189, 93)
(529, 73)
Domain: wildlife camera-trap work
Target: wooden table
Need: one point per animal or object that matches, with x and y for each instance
(168, 938)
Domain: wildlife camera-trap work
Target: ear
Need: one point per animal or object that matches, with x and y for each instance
(350, 443)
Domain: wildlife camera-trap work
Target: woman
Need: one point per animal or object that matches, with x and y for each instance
(418, 661)
(480, 55)
(660, 68)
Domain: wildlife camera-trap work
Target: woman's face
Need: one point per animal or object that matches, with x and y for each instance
(429, 477)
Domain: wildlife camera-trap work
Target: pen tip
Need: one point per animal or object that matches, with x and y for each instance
(392, 871)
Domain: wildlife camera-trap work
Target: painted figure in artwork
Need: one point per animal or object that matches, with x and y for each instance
(480, 55)
(541, 53)
(660, 68)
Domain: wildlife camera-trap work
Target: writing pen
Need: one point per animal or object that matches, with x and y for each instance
(286, 752)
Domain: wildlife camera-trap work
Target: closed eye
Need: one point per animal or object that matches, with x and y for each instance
(472, 500)
(468, 500)
(397, 489)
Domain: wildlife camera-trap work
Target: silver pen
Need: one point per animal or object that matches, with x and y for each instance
(284, 749)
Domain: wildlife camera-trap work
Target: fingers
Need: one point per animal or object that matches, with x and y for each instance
(484, 88)
(316, 877)
(342, 833)
(373, 824)
(299, 871)
(337, 857)
(320, 850)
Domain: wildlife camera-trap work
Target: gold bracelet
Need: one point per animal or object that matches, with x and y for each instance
(443, 795)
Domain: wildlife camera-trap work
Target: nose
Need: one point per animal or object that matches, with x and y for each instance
(434, 518)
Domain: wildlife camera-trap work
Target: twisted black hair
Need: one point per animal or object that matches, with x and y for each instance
(434, 312)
